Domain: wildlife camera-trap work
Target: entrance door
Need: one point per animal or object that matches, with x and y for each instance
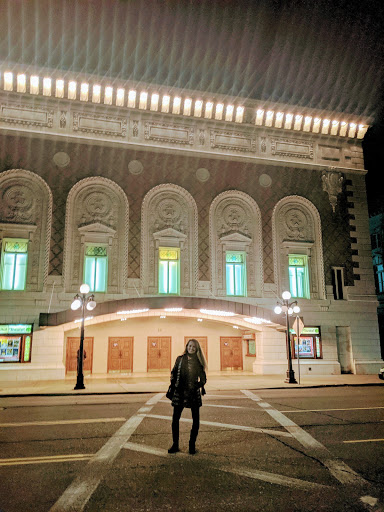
(159, 354)
(73, 345)
(120, 355)
(231, 353)
(203, 340)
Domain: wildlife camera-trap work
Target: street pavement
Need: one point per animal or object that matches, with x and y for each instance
(158, 382)
(293, 450)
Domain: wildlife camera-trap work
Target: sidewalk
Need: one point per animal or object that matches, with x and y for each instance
(154, 383)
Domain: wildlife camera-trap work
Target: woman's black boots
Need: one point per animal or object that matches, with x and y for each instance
(192, 443)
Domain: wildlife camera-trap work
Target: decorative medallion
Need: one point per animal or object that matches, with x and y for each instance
(135, 167)
(265, 180)
(169, 211)
(61, 159)
(203, 174)
(18, 201)
(98, 205)
(296, 223)
(234, 216)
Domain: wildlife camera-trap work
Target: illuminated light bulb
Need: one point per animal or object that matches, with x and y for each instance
(307, 123)
(298, 121)
(269, 118)
(132, 99)
(143, 100)
(296, 309)
(154, 101)
(325, 127)
(175, 310)
(21, 83)
(198, 108)
(84, 90)
(91, 305)
(72, 90)
(290, 311)
(47, 86)
(352, 130)
(278, 310)
(84, 288)
(334, 127)
(59, 88)
(362, 129)
(8, 81)
(229, 112)
(176, 105)
(34, 85)
(120, 97)
(288, 121)
(163, 316)
(76, 304)
(165, 104)
(132, 311)
(239, 114)
(286, 295)
(219, 111)
(279, 119)
(235, 326)
(96, 93)
(187, 106)
(108, 93)
(316, 125)
(343, 129)
(199, 319)
(259, 117)
(208, 110)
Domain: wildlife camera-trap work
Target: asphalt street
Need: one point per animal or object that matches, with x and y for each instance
(319, 449)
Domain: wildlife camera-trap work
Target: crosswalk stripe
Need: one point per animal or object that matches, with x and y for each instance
(21, 461)
(61, 422)
(225, 425)
(364, 441)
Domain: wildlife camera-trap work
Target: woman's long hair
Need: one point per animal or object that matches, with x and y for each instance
(199, 353)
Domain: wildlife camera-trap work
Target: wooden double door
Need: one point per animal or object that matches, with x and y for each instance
(73, 345)
(231, 353)
(159, 353)
(120, 354)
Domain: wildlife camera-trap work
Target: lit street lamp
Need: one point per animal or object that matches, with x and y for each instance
(82, 301)
(284, 306)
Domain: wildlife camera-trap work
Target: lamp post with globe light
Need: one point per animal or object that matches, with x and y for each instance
(82, 301)
(284, 306)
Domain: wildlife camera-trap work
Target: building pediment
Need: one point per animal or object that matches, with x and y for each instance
(169, 237)
(236, 236)
(96, 232)
(96, 227)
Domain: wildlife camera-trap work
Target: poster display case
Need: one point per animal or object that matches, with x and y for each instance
(15, 343)
(309, 345)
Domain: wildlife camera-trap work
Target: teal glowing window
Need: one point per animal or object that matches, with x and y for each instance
(169, 271)
(96, 268)
(236, 281)
(298, 277)
(14, 257)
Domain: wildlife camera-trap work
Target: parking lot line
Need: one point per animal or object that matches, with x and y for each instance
(215, 405)
(225, 425)
(329, 410)
(272, 478)
(61, 422)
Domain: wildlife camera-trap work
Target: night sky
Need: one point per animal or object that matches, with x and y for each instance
(325, 54)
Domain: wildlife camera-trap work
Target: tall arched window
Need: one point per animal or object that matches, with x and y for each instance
(235, 245)
(297, 246)
(96, 236)
(169, 241)
(25, 230)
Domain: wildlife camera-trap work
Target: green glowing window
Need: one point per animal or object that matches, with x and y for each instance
(96, 268)
(298, 276)
(14, 257)
(27, 349)
(236, 280)
(169, 270)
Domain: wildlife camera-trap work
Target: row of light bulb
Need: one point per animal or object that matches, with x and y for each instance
(285, 308)
(78, 302)
(177, 105)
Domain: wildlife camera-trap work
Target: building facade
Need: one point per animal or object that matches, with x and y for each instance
(187, 214)
(376, 225)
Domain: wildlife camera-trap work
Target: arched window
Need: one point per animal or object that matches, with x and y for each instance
(297, 247)
(25, 230)
(169, 241)
(235, 246)
(96, 236)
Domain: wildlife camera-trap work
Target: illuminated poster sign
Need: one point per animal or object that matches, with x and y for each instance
(15, 328)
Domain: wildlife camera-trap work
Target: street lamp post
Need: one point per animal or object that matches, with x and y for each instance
(82, 301)
(284, 306)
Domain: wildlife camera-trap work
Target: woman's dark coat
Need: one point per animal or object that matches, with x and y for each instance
(187, 396)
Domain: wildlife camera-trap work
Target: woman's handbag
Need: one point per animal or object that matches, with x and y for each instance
(171, 391)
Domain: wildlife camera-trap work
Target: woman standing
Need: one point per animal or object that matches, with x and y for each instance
(187, 377)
